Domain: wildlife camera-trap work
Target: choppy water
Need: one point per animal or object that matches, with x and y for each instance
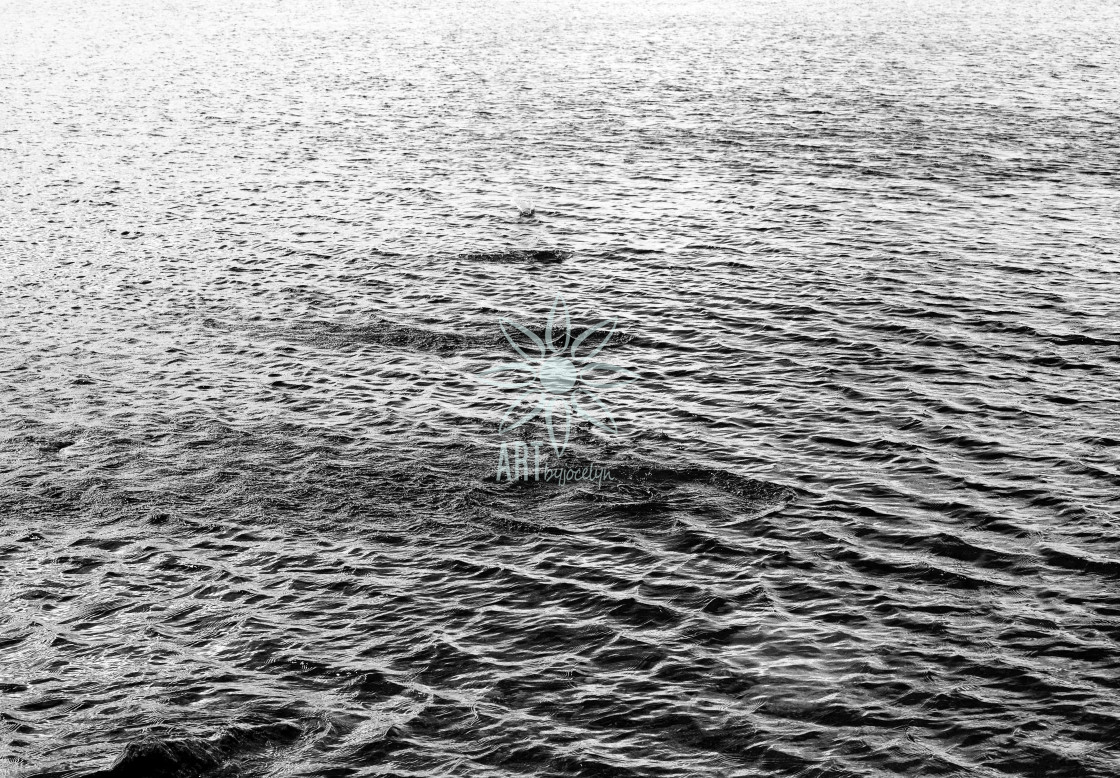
(863, 256)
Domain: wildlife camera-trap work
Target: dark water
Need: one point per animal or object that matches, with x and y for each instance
(863, 517)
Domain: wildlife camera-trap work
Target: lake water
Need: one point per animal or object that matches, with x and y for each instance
(862, 516)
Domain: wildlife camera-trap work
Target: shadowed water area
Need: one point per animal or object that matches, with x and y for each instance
(863, 514)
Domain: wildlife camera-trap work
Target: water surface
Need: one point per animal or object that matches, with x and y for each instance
(862, 255)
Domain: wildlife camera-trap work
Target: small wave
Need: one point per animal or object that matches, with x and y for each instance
(740, 486)
(386, 334)
(657, 480)
(517, 255)
(183, 756)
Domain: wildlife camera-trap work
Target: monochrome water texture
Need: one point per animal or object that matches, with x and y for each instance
(863, 511)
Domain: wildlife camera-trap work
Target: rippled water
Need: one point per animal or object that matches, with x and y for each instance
(863, 517)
